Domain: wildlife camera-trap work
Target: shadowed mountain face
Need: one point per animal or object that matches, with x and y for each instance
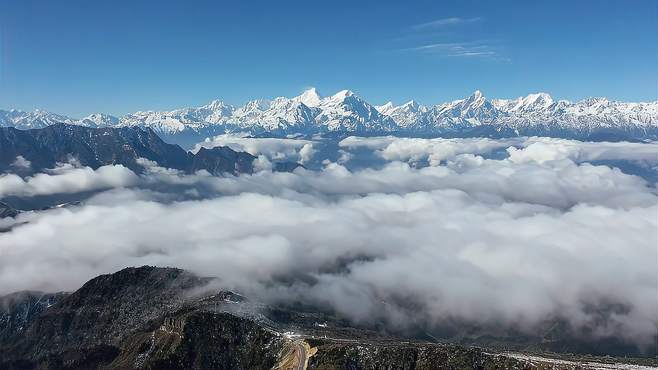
(167, 318)
(29, 151)
(7, 211)
(17, 310)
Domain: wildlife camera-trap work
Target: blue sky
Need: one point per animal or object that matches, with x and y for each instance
(77, 57)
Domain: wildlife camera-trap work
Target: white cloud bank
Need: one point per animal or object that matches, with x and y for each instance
(538, 149)
(272, 148)
(505, 240)
(67, 179)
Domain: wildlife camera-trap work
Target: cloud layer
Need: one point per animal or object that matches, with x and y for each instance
(512, 232)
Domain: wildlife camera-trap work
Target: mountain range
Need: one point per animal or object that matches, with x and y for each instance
(345, 112)
(28, 151)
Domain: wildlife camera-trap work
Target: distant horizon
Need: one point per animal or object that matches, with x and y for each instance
(323, 95)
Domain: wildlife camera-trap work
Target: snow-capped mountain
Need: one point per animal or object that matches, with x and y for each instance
(30, 120)
(279, 115)
(531, 103)
(462, 114)
(310, 98)
(407, 116)
(347, 113)
(99, 120)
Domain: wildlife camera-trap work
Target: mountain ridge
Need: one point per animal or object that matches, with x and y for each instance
(536, 114)
(44, 148)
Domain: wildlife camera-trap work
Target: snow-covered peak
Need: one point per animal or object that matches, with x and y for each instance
(475, 100)
(541, 97)
(309, 114)
(217, 105)
(214, 112)
(99, 120)
(341, 95)
(385, 109)
(405, 115)
(500, 103)
(345, 111)
(411, 105)
(28, 120)
(595, 101)
(532, 103)
(475, 110)
(258, 104)
(310, 98)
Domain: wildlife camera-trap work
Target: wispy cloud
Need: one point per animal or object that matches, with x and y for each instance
(459, 49)
(425, 32)
(445, 22)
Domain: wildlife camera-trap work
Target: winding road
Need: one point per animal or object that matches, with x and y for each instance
(301, 355)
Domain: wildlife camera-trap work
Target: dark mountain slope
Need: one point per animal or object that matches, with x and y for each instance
(94, 147)
(7, 211)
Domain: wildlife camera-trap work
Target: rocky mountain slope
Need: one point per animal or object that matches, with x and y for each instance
(7, 211)
(345, 112)
(29, 151)
(166, 318)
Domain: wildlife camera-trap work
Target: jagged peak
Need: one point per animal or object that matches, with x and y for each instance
(411, 104)
(474, 100)
(100, 115)
(100, 118)
(310, 97)
(386, 108)
(540, 100)
(539, 97)
(341, 95)
(217, 104)
(595, 100)
(259, 104)
(287, 113)
(542, 95)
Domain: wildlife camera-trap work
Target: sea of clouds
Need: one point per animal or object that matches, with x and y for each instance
(513, 232)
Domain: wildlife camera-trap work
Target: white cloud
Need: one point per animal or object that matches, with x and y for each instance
(306, 153)
(512, 240)
(547, 149)
(456, 49)
(446, 22)
(272, 148)
(261, 163)
(21, 163)
(431, 150)
(520, 150)
(67, 179)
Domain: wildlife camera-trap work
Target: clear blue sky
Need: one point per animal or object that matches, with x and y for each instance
(77, 57)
